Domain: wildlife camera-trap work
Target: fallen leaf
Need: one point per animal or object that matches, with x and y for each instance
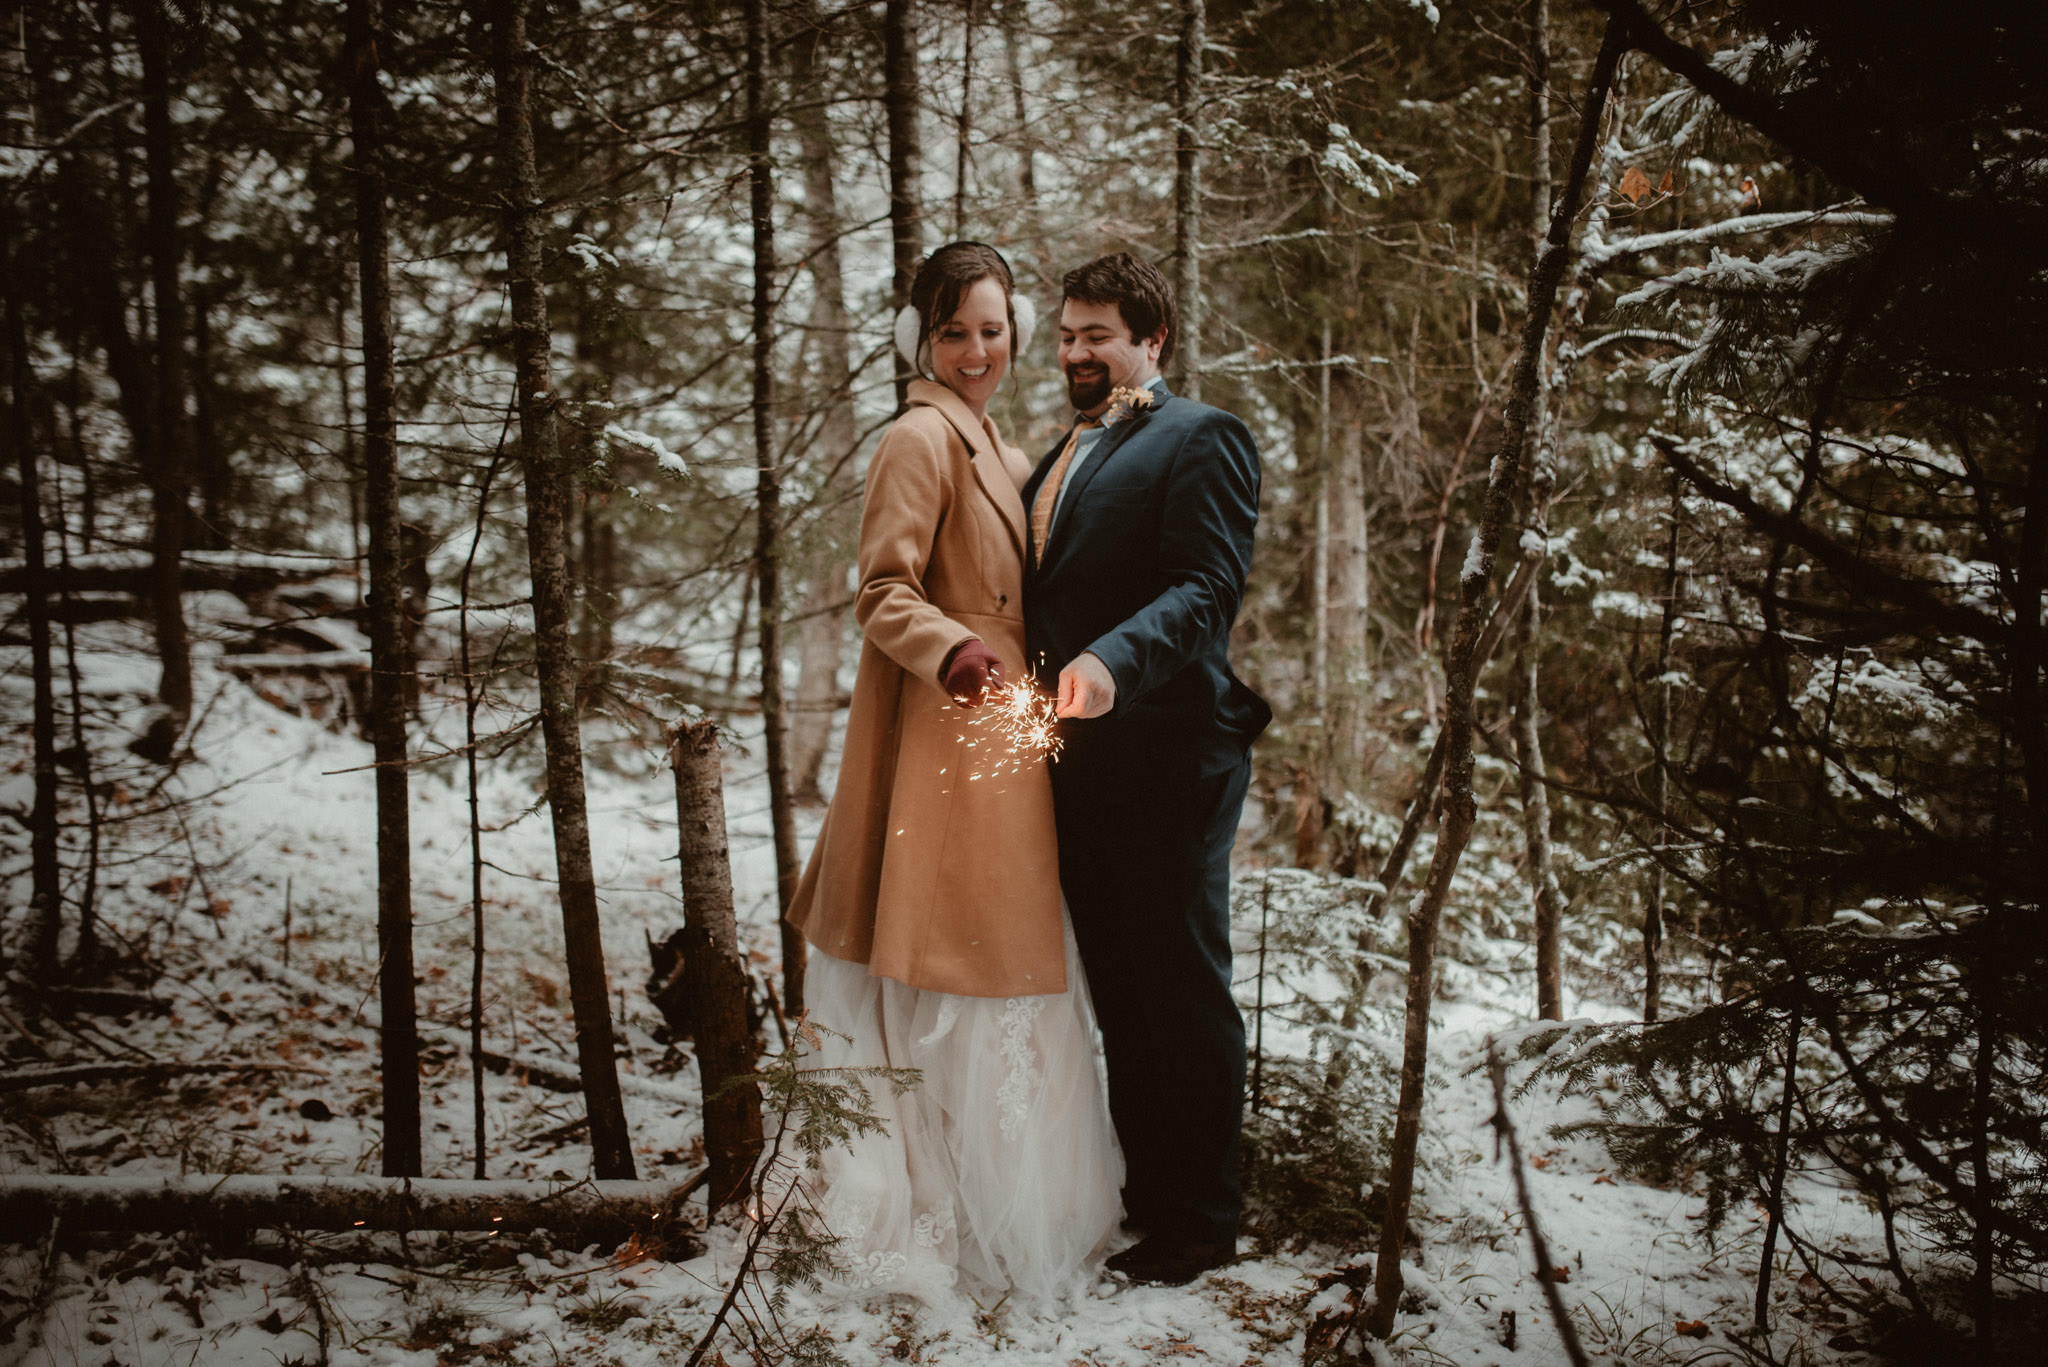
(1539, 1163)
(1561, 1274)
(1692, 1329)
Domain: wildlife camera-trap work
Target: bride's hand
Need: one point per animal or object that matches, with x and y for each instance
(1086, 689)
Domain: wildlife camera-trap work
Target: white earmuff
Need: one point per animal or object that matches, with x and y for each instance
(907, 340)
(1027, 321)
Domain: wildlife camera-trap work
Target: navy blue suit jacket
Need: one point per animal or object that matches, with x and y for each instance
(1145, 568)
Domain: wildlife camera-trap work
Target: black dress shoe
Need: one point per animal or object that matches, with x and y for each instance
(1160, 1260)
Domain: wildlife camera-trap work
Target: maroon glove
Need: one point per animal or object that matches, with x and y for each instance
(971, 671)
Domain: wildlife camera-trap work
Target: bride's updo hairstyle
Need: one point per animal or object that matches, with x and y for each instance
(942, 282)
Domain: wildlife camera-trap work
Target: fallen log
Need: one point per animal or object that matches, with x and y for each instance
(134, 573)
(73, 1074)
(229, 1204)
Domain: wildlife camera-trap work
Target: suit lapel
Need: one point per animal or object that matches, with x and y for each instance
(995, 478)
(1106, 446)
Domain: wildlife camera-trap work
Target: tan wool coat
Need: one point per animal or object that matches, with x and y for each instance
(937, 865)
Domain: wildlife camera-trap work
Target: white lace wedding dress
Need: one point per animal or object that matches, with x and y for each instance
(1000, 1170)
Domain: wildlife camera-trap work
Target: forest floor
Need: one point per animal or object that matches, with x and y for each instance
(247, 915)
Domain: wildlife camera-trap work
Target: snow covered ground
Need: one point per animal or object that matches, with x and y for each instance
(256, 910)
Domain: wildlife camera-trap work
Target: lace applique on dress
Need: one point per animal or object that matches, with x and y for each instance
(934, 1229)
(1014, 1096)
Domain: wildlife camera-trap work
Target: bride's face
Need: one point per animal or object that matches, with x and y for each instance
(971, 350)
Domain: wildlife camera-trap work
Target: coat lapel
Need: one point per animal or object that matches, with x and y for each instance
(990, 471)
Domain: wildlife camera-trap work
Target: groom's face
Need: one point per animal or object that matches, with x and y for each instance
(1098, 353)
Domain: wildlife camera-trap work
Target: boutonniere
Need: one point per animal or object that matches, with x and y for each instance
(1124, 401)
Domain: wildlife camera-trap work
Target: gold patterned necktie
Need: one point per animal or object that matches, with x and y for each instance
(1049, 492)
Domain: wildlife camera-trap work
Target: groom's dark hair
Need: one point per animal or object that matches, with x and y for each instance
(1142, 297)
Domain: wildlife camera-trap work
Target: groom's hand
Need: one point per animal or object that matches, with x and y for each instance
(971, 671)
(1086, 689)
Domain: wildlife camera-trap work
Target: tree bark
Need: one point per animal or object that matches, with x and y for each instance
(1660, 760)
(714, 968)
(768, 501)
(900, 103)
(390, 646)
(170, 470)
(963, 125)
(547, 554)
(826, 600)
(1475, 583)
(1349, 677)
(1544, 894)
(1187, 192)
(17, 428)
(578, 1211)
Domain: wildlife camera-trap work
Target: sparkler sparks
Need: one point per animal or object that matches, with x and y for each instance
(1019, 727)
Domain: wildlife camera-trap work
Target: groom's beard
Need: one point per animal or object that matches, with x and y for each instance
(1087, 386)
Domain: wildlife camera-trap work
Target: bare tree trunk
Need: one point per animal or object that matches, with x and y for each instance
(547, 553)
(1544, 894)
(390, 647)
(1027, 154)
(825, 599)
(1349, 680)
(170, 471)
(1319, 584)
(1474, 587)
(17, 428)
(1660, 759)
(768, 501)
(906, 196)
(714, 968)
(964, 126)
(1187, 193)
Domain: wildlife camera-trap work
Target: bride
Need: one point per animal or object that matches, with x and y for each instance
(932, 897)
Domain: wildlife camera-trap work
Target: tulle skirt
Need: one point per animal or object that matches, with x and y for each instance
(1000, 1168)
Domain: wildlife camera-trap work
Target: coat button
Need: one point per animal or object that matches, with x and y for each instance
(1002, 600)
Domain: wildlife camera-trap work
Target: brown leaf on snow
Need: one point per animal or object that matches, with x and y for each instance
(1539, 1163)
(1561, 1274)
(1692, 1329)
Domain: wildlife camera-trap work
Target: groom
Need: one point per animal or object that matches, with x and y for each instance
(1141, 534)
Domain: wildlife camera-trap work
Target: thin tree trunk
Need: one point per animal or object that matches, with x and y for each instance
(473, 689)
(825, 599)
(1344, 712)
(1187, 193)
(1475, 585)
(1544, 894)
(170, 470)
(17, 428)
(547, 554)
(899, 98)
(1660, 759)
(964, 126)
(1027, 153)
(390, 648)
(86, 950)
(1319, 584)
(714, 968)
(768, 501)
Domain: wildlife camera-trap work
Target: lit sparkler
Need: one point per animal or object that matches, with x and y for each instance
(1020, 727)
